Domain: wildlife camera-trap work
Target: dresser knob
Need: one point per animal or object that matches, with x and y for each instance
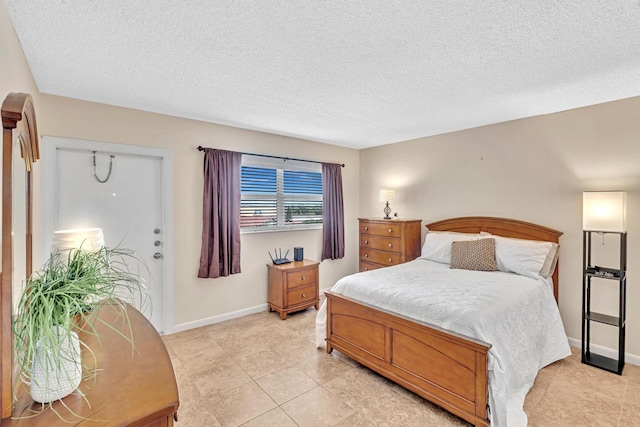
(366, 242)
(389, 259)
(366, 228)
(389, 230)
(304, 295)
(366, 255)
(390, 245)
(366, 268)
(304, 278)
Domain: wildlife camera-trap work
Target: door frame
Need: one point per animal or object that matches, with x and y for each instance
(48, 195)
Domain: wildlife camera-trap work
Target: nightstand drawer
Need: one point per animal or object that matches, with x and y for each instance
(302, 294)
(378, 257)
(367, 266)
(391, 244)
(301, 278)
(390, 229)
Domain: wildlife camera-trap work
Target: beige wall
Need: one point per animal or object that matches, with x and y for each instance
(15, 75)
(534, 170)
(201, 300)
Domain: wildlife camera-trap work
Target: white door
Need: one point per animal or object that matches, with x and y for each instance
(121, 191)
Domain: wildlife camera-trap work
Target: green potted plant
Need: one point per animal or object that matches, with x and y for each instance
(58, 301)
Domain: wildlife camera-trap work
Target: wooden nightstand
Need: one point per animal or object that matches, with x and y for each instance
(293, 286)
(388, 242)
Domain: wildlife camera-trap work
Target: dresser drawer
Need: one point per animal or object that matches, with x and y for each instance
(302, 294)
(367, 266)
(301, 278)
(391, 244)
(378, 257)
(378, 229)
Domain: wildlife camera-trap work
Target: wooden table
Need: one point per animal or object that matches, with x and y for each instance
(133, 388)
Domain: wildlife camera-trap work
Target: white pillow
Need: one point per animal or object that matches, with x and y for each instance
(437, 245)
(550, 261)
(529, 258)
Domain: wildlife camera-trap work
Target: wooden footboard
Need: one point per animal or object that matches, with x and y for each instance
(447, 369)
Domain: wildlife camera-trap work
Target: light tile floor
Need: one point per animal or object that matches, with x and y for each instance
(261, 371)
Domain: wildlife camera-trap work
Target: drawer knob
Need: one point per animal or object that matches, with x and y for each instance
(390, 245)
(304, 295)
(366, 255)
(366, 242)
(390, 230)
(366, 228)
(389, 259)
(366, 268)
(304, 278)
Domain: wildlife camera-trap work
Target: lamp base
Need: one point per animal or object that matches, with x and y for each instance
(387, 211)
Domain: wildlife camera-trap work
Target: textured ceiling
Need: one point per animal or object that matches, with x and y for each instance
(352, 73)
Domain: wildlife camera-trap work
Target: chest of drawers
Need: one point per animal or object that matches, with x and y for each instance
(388, 242)
(293, 286)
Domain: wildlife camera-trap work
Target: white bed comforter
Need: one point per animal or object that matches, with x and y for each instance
(517, 315)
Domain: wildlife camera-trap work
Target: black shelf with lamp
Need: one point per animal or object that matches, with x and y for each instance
(604, 213)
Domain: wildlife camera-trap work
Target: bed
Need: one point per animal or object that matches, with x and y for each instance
(474, 370)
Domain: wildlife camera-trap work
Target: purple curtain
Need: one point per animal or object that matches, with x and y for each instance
(220, 255)
(332, 212)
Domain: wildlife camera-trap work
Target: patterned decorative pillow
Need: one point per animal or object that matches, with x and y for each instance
(474, 255)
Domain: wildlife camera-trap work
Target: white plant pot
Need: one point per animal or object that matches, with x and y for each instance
(56, 376)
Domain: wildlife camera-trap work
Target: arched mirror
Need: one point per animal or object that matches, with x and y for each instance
(20, 149)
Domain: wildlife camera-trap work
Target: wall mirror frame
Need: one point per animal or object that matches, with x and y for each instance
(19, 130)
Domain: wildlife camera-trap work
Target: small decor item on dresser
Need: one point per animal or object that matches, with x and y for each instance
(298, 253)
(63, 299)
(280, 259)
(385, 196)
(49, 383)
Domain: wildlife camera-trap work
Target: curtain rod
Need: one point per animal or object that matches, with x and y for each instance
(201, 148)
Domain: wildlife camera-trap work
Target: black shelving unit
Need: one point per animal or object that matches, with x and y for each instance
(592, 274)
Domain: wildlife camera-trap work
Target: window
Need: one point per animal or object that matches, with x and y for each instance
(277, 197)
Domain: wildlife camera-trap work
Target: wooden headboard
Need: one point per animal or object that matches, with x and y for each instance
(501, 227)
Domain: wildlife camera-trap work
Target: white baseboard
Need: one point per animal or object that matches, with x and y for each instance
(220, 318)
(606, 351)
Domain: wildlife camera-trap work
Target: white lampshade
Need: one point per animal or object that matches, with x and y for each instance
(604, 211)
(89, 239)
(386, 195)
